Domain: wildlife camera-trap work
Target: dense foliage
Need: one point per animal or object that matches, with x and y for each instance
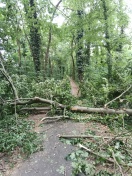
(92, 46)
(17, 134)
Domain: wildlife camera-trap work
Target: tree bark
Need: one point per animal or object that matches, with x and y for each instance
(34, 36)
(107, 38)
(79, 53)
(56, 105)
(100, 110)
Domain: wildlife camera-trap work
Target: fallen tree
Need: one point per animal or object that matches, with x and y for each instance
(101, 110)
(29, 101)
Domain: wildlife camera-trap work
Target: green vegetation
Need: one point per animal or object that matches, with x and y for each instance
(38, 56)
(17, 134)
(103, 152)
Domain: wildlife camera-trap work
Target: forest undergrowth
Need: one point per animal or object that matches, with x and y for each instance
(96, 155)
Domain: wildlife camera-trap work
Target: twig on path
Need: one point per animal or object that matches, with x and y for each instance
(53, 118)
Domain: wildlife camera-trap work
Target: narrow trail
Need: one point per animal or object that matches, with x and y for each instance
(75, 91)
(51, 161)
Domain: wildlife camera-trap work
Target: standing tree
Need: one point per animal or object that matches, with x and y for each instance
(35, 39)
(79, 53)
(107, 38)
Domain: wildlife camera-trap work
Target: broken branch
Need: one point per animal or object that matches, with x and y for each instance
(118, 96)
(7, 76)
(96, 154)
(88, 136)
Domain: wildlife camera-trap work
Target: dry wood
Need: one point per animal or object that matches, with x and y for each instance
(101, 110)
(86, 136)
(28, 101)
(36, 109)
(54, 117)
(75, 91)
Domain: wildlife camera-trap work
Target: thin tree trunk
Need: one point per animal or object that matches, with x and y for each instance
(19, 52)
(73, 62)
(46, 58)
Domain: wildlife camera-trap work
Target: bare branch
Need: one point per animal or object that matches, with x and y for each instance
(7, 76)
(118, 96)
(88, 136)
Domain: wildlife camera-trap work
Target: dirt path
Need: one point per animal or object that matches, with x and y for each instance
(74, 88)
(51, 161)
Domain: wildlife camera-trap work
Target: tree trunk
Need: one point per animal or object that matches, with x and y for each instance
(34, 36)
(56, 105)
(107, 38)
(101, 110)
(19, 52)
(87, 60)
(79, 53)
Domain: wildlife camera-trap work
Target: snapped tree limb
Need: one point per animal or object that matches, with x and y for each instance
(86, 136)
(29, 101)
(7, 76)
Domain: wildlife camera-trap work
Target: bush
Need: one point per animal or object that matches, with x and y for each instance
(57, 90)
(18, 133)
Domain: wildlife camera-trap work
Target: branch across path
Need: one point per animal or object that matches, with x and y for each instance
(56, 105)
